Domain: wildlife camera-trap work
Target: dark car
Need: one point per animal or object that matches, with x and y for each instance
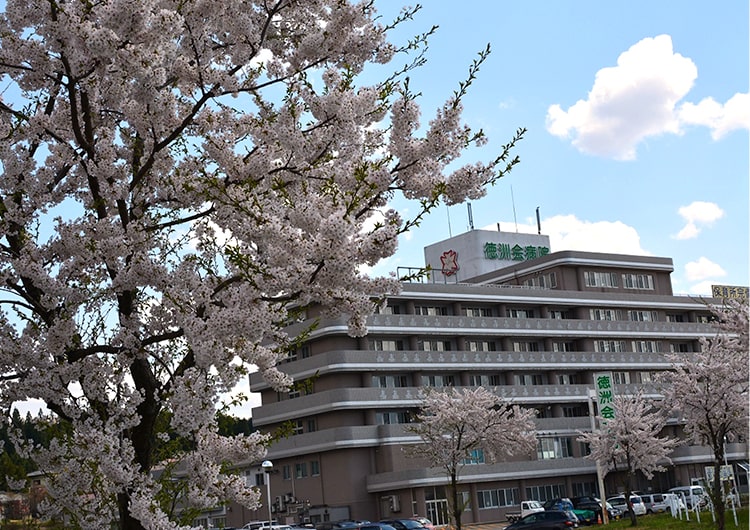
(546, 520)
(345, 524)
(593, 504)
(404, 524)
(562, 504)
(375, 526)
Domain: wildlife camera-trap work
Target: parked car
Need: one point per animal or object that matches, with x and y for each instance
(635, 501)
(343, 524)
(595, 505)
(566, 505)
(694, 496)
(404, 524)
(424, 521)
(546, 520)
(526, 508)
(254, 525)
(375, 526)
(662, 502)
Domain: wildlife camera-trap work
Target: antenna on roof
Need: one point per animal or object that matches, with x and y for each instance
(538, 222)
(471, 217)
(448, 213)
(513, 201)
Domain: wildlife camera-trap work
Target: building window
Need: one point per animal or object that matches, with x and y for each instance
(477, 311)
(621, 378)
(647, 377)
(476, 456)
(430, 310)
(525, 346)
(675, 317)
(478, 380)
(557, 314)
(386, 345)
(546, 492)
(497, 498)
(438, 381)
(646, 346)
(311, 426)
(480, 345)
(604, 314)
(286, 472)
(484, 380)
(574, 411)
(642, 316)
(562, 346)
(521, 313)
(433, 345)
(609, 345)
(300, 470)
(552, 448)
(314, 468)
(297, 428)
(585, 489)
(544, 281)
(600, 279)
(392, 417)
(388, 310)
(568, 379)
(703, 319)
(390, 381)
(679, 347)
(638, 281)
(528, 379)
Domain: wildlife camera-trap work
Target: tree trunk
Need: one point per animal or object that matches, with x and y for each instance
(716, 492)
(126, 520)
(457, 508)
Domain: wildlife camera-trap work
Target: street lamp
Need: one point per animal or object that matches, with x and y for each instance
(267, 466)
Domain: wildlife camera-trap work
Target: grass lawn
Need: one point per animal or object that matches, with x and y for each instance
(665, 521)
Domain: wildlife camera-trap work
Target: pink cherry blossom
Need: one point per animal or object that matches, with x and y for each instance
(177, 176)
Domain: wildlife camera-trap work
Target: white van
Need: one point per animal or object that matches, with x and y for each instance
(694, 495)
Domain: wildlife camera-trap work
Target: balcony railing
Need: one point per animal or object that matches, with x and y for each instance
(382, 362)
(374, 398)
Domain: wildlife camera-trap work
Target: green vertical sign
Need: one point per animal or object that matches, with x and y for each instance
(605, 395)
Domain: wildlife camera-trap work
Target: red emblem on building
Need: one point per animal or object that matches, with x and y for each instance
(449, 259)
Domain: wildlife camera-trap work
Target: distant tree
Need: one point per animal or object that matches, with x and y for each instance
(631, 442)
(709, 390)
(177, 179)
(460, 426)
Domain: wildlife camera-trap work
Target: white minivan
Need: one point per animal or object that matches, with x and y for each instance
(694, 495)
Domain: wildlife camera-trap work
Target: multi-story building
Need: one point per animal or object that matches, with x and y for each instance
(501, 311)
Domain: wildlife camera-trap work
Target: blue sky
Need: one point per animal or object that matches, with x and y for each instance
(637, 115)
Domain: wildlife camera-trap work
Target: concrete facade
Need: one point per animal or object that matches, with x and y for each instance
(534, 331)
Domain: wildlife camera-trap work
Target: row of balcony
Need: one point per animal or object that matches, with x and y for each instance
(375, 398)
(511, 327)
(462, 325)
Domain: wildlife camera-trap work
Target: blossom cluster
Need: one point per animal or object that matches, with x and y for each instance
(179, 176)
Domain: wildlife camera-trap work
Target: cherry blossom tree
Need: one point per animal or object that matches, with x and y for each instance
(179, 178)
(469, 425)
(709, 390)
(631, 442)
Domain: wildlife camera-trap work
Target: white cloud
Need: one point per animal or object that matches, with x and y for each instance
(244, 407)
(638, 99)
(697, 215)
(567, 232)
(721, 119)
(703, 269)
(702, 288)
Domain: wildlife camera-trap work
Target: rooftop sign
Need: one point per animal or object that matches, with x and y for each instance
(479, 252)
